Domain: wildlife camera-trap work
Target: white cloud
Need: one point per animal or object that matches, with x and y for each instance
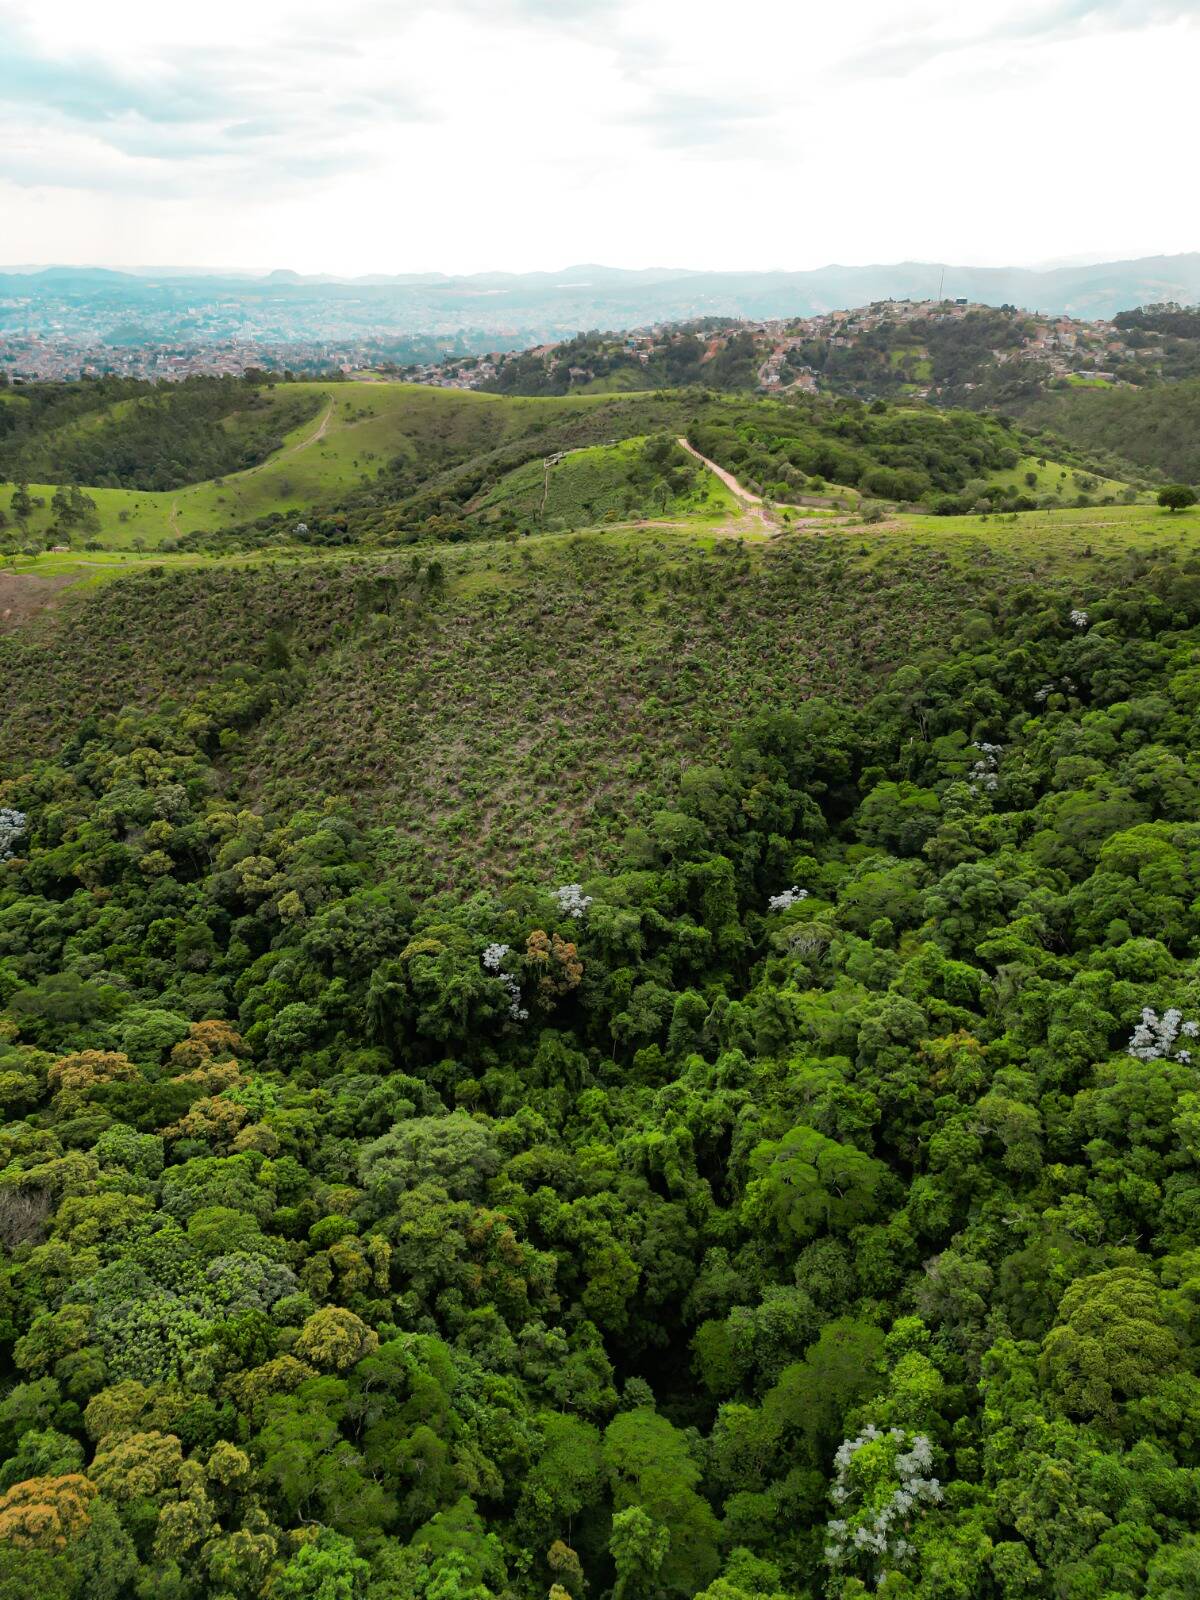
(467, 134)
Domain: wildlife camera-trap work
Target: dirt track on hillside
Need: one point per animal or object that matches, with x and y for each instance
(292, 449)
(727, 478)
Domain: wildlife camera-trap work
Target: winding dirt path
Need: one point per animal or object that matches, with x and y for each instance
(293, 449)
(727, 478)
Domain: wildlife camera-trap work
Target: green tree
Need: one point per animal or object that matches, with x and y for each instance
(1177, 496)
(806, 1182)
(1111, 1343)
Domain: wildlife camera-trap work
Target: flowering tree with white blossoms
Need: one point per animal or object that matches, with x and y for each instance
(789, 897)
(1064, 685)
(883, 1486)
(12, 826)
(493, 962)
(1079, 619)
(985, 774)
(1159, 1038)
(572, 901)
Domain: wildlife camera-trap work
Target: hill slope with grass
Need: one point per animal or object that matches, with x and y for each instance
(373, 462)
(1158, 429)
(125, 434)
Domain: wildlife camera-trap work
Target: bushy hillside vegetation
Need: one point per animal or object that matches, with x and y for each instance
(123, 434)
(494, 705)
(798, 1198)
(1158, 429)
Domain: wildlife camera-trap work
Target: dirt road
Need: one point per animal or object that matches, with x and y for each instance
(293, 449)
(727, 478)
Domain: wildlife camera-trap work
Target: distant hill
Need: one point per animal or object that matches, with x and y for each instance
(220, 464)
(951, 351)
(75, 306)
(1156, 429)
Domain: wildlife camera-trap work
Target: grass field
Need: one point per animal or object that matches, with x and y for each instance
(600, 483)
(1053, 478)
(1070, 541)
(1057, 540)
(915, 358)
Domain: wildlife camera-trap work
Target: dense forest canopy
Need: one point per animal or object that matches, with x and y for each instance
(1157, 428)
(801, 1202)
(127, 433)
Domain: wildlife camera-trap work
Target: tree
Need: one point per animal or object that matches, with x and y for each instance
(336, 1338)
(46, 1513)
(639, 1547)
(652, 1472)
(325, 1568)
(1112, 1343)
(805, 1182)
(1177, 496)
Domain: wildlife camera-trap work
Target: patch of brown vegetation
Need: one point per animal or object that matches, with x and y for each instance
(22, 594)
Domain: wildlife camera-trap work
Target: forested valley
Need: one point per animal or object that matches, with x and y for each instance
(796, 1197)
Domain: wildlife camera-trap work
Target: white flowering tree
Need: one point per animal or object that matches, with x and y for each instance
(12, 827)
(883, 1487)
(1079, 619)
(572, 901)
(787, 899)
(1165, 1038)
(493, 963)
(985, 774)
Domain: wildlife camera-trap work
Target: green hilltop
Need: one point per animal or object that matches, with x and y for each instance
(370, 462)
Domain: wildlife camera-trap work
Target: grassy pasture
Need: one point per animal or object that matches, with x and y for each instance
(1054, 478)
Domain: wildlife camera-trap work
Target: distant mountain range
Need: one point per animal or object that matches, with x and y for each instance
(97, 305)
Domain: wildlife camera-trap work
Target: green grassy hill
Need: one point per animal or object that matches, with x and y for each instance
(368, 462)
(360, 434)
(127, 434)
(1056, 480)
(605, 483)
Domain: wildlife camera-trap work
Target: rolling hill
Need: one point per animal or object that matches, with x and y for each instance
(392, 462)
(1158, 429)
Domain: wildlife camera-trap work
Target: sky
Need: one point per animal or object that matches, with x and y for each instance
(472, 135)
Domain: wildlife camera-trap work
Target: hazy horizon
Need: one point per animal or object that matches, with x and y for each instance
(183, 269)
(494, 135)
